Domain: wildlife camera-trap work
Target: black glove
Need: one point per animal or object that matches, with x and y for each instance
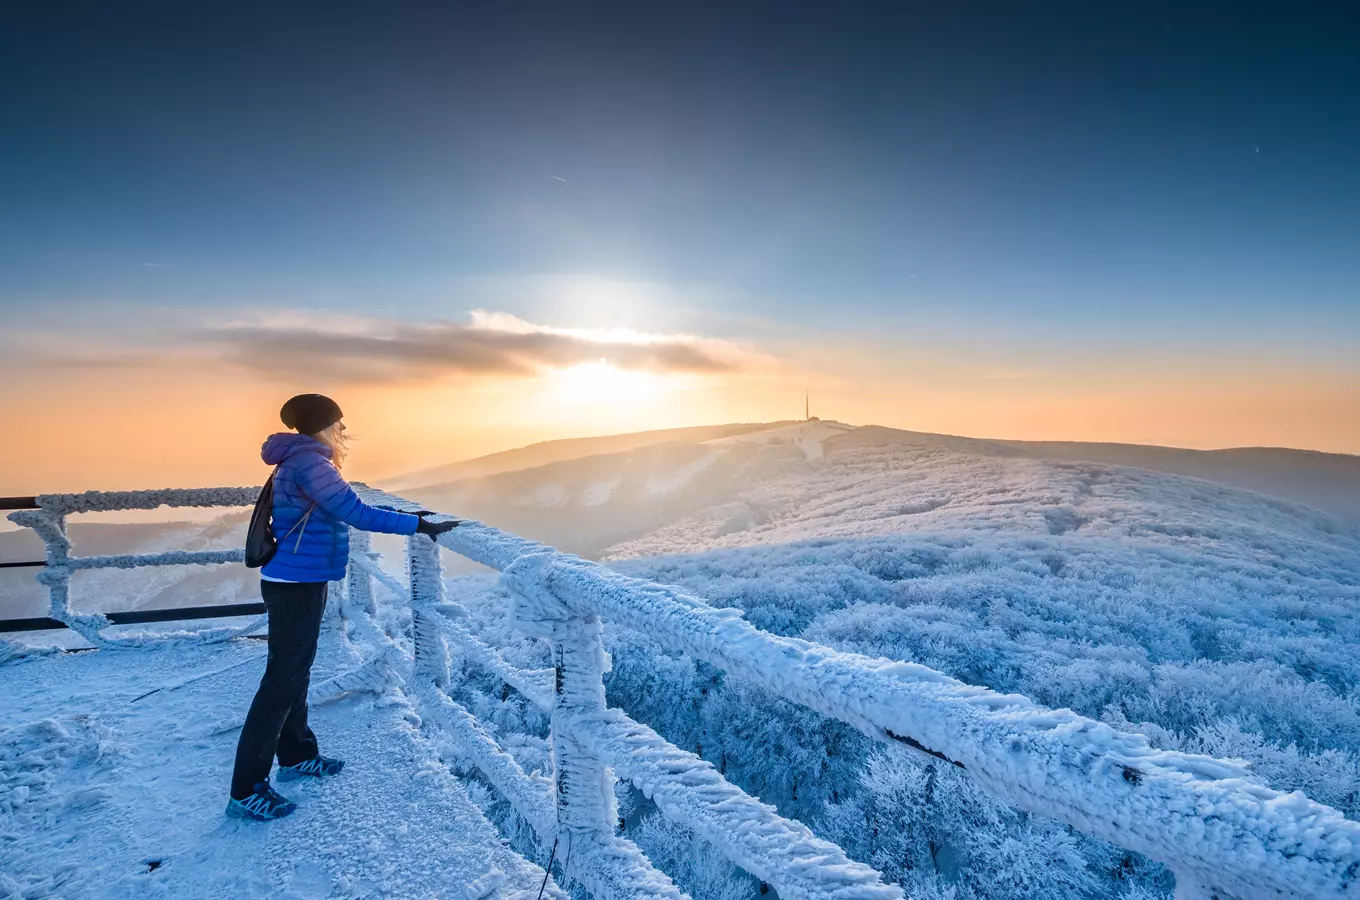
(414, 512)
(434, 529)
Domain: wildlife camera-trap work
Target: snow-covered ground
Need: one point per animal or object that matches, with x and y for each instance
(113, 777)
(1212, 619)
(810, 436)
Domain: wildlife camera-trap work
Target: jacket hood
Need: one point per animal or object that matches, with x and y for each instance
(286, 444)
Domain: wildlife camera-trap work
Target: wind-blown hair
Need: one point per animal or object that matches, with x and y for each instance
(335, 438)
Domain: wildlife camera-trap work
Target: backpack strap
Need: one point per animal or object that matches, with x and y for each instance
(300, 523)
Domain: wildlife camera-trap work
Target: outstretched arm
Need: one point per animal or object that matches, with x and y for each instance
(323, 485)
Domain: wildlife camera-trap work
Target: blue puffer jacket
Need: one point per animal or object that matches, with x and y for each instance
(317, 549)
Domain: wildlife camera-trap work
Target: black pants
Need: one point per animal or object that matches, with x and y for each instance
(277, 721)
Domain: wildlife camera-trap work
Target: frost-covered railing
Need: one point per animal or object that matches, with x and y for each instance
(575, 812)
(1223, 833)
(48, 521)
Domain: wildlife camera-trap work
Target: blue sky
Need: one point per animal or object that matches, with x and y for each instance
(1135, 181)
(1045, 162)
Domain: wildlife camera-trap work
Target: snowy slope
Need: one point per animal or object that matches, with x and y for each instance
(547, 452)
(874, 481)
(649, 500)
(1212, 619)
(1328, 481)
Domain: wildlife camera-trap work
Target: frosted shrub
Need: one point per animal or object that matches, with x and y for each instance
(929, 828)
(1207, 645)
(698, 870)
(1209, 619)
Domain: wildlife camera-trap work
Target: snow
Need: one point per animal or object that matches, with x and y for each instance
(1059, 555)
(865, 488)
(674, 482)
(876, 638)
(97, 784)
(1053, 762)
(549, 495)
(599, 492)
(810, 437)
(689, 790)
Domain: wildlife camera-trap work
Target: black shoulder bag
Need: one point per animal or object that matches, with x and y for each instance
(261, 544)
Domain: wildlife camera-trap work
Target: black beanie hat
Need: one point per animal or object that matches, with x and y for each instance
(310, 413)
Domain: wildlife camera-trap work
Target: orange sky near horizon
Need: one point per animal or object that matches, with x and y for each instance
(76, 429)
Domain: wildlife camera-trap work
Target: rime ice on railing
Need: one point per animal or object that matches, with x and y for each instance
(49, 522)
(1223, 834)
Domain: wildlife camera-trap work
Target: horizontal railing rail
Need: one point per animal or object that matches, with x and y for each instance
(142, 616)
(7, 503)
(46, 515)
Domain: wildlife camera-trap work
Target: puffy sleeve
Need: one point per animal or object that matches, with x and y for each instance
(322, 483)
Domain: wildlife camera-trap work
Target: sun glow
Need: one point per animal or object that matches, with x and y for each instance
(602, 383)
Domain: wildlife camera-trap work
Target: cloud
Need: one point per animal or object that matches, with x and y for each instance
(350, 348)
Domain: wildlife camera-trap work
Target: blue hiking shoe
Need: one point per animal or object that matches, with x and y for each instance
(318, 767)
(262, 805)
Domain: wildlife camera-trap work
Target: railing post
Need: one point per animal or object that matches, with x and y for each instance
(334, 645)
(333, 618)
(358, 583)
(583, 784)
(56, 576)
(584, 787)
(427, 591)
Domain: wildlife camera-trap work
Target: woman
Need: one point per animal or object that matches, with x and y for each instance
(314, 508)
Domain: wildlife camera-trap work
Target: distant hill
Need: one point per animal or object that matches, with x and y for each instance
(672, 491)
(1327, 481)
(570, 448)
(607, 503)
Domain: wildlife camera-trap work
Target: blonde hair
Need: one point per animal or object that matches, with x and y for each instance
(335, 438)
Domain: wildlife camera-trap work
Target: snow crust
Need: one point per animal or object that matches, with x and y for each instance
(674, 482)
(809, 436)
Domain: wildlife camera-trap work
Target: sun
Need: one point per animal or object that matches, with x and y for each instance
(601, 383)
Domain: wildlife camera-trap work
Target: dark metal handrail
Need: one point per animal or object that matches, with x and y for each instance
(143, 616)
(133, 617)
